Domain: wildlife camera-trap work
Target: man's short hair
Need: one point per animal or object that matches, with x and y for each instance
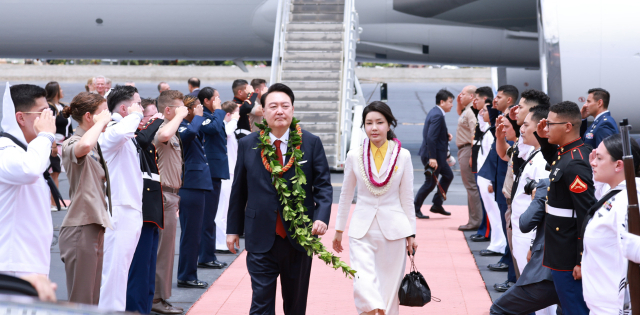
(24, 96)
(601, 94)
(568, 111)
(147, 101)
(539, 112)
(100, 77)
(119, 94)
(237, 85)
(160, 85)
(278, 87)
(485, 91)
(195, 82)
(255, 83)
(509, 91)
(107, 81)
(206, 93)
(534, 97)
(167, 97)
(229, 106)
(443, 95)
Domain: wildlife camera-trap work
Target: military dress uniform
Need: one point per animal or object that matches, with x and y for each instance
(603, 126)
(570, 195)
(484, 230)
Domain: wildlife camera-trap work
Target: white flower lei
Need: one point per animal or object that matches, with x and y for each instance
(376, 191)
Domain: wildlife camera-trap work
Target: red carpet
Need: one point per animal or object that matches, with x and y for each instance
(443, 257)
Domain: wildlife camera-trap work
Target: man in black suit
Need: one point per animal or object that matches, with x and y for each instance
(271, 252)
(433, 153)
(194, 86)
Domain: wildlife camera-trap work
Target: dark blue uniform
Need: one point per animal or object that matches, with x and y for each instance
(195, 189)
(602, 127)
(215, 149)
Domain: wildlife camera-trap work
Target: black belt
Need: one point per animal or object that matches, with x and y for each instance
(464, 146)
(170, 190)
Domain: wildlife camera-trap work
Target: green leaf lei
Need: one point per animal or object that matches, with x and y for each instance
(293, 201)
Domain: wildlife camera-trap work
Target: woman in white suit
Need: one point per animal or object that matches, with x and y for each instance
(383, 224)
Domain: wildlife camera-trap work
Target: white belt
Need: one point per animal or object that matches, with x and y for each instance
(243, 131)
(559, 212)
(154, 177)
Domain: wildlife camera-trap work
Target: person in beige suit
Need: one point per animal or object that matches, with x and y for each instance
(383, 224)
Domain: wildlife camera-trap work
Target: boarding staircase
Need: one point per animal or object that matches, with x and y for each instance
(314, 54)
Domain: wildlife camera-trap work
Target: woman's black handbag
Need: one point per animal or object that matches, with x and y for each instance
(414, 290)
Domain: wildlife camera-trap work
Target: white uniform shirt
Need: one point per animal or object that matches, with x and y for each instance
(535, 170)
(487, 141)
(232, 143)
(604, 267)
(122, 159)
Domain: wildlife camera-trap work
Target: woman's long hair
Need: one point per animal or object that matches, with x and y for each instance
(613, 144)
(385, 110)
(53, 90)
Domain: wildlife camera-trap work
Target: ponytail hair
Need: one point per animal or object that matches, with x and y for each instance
(385, 110)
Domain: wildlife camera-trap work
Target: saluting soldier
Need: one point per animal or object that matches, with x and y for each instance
(597, 105)
(570, 195)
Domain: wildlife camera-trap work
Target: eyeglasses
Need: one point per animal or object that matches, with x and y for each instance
(559, 123)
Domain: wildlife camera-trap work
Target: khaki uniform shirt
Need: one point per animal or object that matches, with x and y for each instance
(466, 127)
(87, 187)
(169, 160)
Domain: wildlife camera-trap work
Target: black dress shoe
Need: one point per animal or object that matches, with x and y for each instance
(499, 266)
(467, 227)
(486, 252)
(439, 210)
(419, 215)
(503, 287)
(225, 251)
(197, 284)
(480, 238)
(213, 265)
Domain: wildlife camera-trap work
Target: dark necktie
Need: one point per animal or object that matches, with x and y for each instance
(106, 176)
(279, 227)
(182, 157)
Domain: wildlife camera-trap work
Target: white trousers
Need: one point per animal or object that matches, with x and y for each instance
(221, 215)
(380, 264)
(119, 246)
(498, 240)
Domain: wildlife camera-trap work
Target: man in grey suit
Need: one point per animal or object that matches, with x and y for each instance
(534, 290)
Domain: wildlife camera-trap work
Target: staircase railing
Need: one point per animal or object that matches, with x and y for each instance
(282, 18)
(350, 40)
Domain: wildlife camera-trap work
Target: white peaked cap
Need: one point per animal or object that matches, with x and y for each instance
(9, 123)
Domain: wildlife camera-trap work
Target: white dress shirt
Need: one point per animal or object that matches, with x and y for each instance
(535, 170)
(122, 159)
(232, 144)
(283, 144)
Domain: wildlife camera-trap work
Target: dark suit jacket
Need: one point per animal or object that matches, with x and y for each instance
(152, 201)
(601, 128)
(255, 201)
(435, 137)
(195, 93)
(215, 143)
(531, 219)
(196, 168)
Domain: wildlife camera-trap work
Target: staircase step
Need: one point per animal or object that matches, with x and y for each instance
(315, 117)
(305, 106)
(318, 2)
(316, 37)
(324, 27)
(312, 46)
(328, 138)
(318, 96)
(312, 65)
(318, 128)
(332, 56)
(310, 76)
(323, 17)
(332, 160)
(313, 86)
(318, 8)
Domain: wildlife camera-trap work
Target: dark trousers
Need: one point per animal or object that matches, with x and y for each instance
(570, 293)
(485, 227)
(294, 269)
(208, 238)
(141, 284)
(507, 258)
(430, 183)
(526, 299)
(192, 204)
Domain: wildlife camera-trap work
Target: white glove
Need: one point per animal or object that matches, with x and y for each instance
(630, 246)
(451, 161)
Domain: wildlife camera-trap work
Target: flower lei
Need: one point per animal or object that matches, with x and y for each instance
(376, 188)
(293, 201)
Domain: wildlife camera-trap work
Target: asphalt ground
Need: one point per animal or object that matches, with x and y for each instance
(410, 103)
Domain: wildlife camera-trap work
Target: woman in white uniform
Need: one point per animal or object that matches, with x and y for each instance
(383, 224)
(606, 241)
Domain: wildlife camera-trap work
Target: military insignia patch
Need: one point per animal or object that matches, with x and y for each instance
(578, 185)
(206, 122)
(589, 136)
(181, 129)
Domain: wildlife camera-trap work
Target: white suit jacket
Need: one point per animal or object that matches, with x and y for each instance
(394, 209)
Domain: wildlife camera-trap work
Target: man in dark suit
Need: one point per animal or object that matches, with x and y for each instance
(271, 252)
(433, 153)
(194, 86)
(603, 125)
(215, 150)
(534, 290)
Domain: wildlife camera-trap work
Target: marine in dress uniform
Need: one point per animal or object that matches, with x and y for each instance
(570, 195)
(245, 109)
(603, 126)
(196, 185)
